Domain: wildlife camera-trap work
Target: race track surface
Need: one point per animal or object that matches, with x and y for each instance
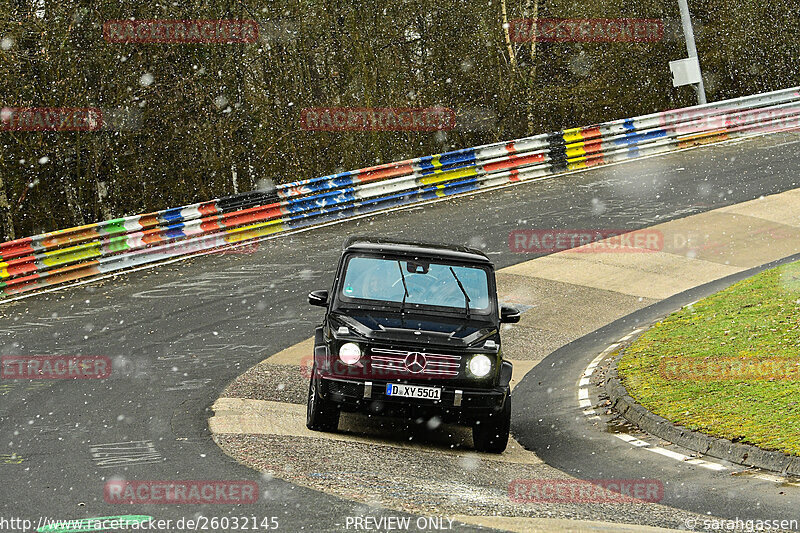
(178, 334)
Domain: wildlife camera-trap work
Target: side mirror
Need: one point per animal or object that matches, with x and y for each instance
(319, 298)
(509, 315)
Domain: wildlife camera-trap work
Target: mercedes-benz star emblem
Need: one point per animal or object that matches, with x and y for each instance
(415, 362)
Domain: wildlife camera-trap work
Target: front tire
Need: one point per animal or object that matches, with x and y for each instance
(491, 434)
(321, 414)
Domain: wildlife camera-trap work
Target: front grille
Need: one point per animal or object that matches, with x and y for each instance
(345, 388)
(415, 363)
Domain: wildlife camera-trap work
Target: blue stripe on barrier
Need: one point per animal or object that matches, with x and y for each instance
(339, 180)
(394, 201)
(425, 163)
(314, 183)
(344, 179)
(453, 188)
(320, 200)
(427, 195)
(448, 161)
(628, 124)
(173, 232)
(446, 169)
(467, 185)
(316, 187)
(635, 138)
(465, 156)
(171, 214)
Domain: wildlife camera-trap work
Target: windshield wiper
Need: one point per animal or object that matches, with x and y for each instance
(460, 286)
(405, 290)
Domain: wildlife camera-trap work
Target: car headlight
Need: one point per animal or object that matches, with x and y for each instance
(350, 353)
(480, 365)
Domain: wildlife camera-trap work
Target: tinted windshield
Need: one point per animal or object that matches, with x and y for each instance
(433, 284)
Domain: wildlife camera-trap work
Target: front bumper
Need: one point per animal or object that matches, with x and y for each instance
(457, 404)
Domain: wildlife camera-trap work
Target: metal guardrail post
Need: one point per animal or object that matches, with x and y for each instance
(691, 49)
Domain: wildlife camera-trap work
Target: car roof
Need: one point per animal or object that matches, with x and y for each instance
(415, 248)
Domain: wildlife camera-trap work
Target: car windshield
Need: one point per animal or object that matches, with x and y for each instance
(429, 283)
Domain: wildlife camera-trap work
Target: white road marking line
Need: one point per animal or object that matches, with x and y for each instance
(583, 392)
(632, 440)
(770, 477)
(686, 459)
(607, 350)
(629, 335)
(776, 479)
(707, 464)
(590, 413)
(668, 453)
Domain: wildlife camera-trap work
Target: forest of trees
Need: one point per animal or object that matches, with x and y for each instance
(186, 122)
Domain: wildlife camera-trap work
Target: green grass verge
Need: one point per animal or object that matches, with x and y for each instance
(728, 365)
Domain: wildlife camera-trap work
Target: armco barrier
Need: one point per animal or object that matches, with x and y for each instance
(114, 245)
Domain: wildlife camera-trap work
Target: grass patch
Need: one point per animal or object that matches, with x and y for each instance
(729, 365)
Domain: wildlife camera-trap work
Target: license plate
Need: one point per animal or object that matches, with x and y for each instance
(413, 391)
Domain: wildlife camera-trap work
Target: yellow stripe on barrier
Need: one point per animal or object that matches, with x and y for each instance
(577, 165)
(70, 255)
(70, 249)
(702, 135)
(3, 270)
(572, 135)
(255, 230)
(575, 151)
(448, 175)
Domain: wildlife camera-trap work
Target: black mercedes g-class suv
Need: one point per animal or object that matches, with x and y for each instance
(412, 330)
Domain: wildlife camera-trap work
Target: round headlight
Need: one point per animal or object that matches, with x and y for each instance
(350, 353)
(480, 365)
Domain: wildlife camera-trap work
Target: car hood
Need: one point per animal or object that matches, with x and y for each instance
(416, 330)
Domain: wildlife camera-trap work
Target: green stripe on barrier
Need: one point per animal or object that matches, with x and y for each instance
(114, 226)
